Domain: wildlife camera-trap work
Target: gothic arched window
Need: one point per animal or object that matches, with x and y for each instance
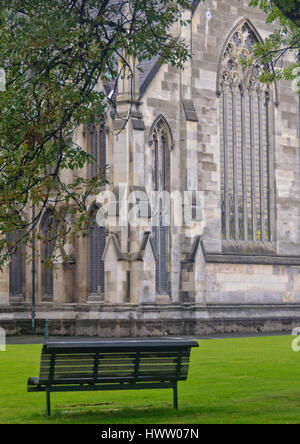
(16, 268)
(98, 148)
(48, 232)
(245, 142)
(160, 184)
(96, 247)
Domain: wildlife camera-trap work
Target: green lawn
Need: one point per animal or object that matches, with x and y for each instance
(230, 381)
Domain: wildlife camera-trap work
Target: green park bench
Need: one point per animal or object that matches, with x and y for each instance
(112, 365)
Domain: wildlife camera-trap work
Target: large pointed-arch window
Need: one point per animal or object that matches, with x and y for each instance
(160, 184)
(98, 148)
(96, 247)
(245, 142)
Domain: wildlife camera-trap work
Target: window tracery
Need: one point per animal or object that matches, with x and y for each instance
(245, 142)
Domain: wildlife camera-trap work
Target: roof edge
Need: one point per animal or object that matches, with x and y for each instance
(158, 64)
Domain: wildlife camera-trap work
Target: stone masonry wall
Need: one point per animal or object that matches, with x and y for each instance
(211, 290)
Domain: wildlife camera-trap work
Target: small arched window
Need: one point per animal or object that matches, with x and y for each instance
(245, 142)
(96, 247)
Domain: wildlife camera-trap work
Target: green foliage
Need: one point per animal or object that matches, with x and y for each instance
(54, 54)
(285, 39)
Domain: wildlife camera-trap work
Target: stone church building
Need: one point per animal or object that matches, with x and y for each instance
(211, 129)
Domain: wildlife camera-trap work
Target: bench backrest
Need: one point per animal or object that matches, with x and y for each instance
(130, 361)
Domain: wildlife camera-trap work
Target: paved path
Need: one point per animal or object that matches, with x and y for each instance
(40, 339)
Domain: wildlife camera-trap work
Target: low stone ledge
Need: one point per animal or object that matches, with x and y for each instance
(154, 322)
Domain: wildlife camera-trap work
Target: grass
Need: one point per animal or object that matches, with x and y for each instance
(240, 381)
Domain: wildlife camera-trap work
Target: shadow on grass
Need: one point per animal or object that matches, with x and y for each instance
(143, 414)
(86, 405)
(244, 410)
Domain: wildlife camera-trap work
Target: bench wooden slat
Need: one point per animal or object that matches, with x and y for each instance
(75, 368)
(47, 358)
(65, 363)
(155, 367)
(69, 363)
(157, 374)
(163, 360)
(158, 367)
(121, 366)
(158, 354)
(164, 354)
(126, 368)
(91, 369)
(131, 367)
(153, 376)
(116, 380)
(74, 375)
(119, 346)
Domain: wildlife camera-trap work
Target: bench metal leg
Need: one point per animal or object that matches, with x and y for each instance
(175, 396)
(48, 410)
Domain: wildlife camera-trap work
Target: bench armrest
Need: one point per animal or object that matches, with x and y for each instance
(33, 385)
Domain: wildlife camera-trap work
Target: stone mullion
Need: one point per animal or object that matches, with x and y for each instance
(253, 172)
(102, 150)
(154, 167)
(261, 167)
(244, 161)
(155, 187)
(235, 167)
(163, 231)
(95, 167)
(161, 162)
(269, 228)
(226, 179)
